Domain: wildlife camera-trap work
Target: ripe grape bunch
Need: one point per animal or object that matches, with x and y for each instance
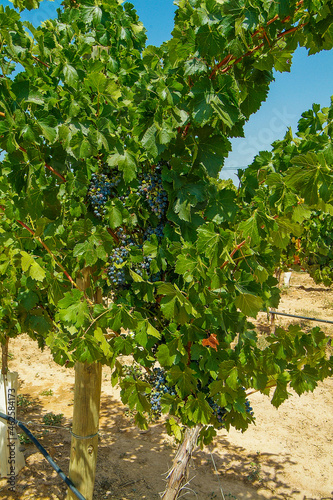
(220, 411)
(102, 188)
(105, 186)
(116, 270)
(160, 387)
(151, 188)
(158, 231)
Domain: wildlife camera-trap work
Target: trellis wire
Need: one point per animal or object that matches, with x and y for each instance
(301, 317)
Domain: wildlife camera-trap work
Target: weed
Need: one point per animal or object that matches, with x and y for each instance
(23, 438)
(47, 392)
(23, 402)
(255, 472)
(52, 419)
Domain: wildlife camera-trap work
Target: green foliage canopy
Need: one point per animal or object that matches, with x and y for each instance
(295, 181)
(93, 98)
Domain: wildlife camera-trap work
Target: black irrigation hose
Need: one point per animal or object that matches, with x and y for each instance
(301, 317)
(63, 476)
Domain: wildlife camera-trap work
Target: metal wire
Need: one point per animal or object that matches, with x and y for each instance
(301, 317)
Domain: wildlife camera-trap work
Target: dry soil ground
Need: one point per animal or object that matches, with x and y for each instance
(286, 455)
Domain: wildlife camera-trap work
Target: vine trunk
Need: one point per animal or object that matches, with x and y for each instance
(178, 474)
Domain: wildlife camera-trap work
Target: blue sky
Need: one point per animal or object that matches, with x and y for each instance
(310, 80)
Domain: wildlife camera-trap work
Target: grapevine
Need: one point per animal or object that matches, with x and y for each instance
(315, 247)
(295, 180)
(117, 237)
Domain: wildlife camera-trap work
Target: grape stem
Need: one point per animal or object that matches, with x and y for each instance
(269, 386)
(233, 253)
(230, 57)
(113, 234)
(41, 62)
(151, 314)
(188, 348)
(47, 166)
(96, 319)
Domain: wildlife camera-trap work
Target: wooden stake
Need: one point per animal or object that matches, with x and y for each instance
(83, 458)
(4, 356)
(87, 396)
(179, 470)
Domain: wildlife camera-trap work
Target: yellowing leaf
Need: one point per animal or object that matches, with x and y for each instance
(151, 330)
(36, 272)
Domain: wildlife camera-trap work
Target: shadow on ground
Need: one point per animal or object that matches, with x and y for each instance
(132, 464)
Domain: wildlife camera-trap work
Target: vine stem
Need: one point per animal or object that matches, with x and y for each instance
(280, 35)
(233, 253)
(257, 390)
(275, 18)
(178, 472)
(41, 62)
(229, 57)
(231, 61)
(96, 319)
(53, 256)
(113, 234)
(47, 166)
(188, 348)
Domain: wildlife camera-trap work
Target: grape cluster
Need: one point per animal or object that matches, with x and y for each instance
(150, 192)
(157, 380)
(124, 238)
(151, 188)
(134, 371)
(143, 268)
(220, 411)
(116, 270)
(248, 408)
(160, 387)
(101, 188)
(158, 231)
(156, 277)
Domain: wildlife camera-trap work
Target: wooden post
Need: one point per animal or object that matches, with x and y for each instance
(4, 356)
(179, 470)
(83, 458)
(87, 396)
